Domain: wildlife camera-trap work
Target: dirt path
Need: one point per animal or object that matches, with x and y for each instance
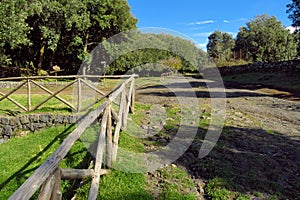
(259, 149)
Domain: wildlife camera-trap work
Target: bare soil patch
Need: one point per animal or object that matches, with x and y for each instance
(258, 152)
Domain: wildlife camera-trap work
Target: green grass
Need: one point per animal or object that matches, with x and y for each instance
(176, 184)
(20, 156)
(53, 105)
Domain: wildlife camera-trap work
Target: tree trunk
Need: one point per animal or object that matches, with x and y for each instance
(41, 57)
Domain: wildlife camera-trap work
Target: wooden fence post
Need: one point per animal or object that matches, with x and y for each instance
(79, 94)
(132, 97)
(28, 95)
(109, 139)
(99, 157)
(51, 189)
(56, 193)
(118, 126)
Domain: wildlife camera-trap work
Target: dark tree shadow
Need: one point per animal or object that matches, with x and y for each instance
(251, 160)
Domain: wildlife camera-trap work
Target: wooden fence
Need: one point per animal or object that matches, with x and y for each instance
(48, 176)
(79, 81)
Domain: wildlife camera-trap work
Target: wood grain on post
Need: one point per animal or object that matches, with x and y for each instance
(28, 95)
(109, 139)
(128, 102)
(46, 189)
(79, 95)
(73, 174)
(93, 193)
(56, 192)
(132, 97)
(30, 186)
(118, 127)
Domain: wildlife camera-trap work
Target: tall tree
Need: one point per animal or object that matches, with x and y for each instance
(293, 9)
(220, 45)
(265, 39)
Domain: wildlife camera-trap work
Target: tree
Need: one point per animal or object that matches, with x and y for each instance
(293, 9)
(43, 33)
(220, 45)
(265, 39)
(164, 49)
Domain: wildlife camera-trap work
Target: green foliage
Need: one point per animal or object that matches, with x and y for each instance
(293, 9)
(137, 49)
(220, 46)
(61, 32)
(265, 39)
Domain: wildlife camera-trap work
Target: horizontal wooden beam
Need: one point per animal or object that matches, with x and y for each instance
(65, 77)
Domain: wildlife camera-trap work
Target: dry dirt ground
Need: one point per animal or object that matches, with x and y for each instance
(258, 152)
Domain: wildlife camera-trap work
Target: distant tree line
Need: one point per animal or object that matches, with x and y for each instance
(37, 35)
(156, 52)
(263, 39)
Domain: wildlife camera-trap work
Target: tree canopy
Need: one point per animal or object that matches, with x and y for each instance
(293, 9)
(159, 51)
(39, 34)
(265, 39)
(220, 45)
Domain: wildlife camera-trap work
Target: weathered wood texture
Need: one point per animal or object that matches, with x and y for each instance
(48, 175)
(79, 80)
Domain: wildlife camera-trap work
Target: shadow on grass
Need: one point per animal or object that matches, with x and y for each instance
(23, 171)
(251, 161)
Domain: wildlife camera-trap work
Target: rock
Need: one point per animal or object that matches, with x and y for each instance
(24, 119)
(4, 121)
(33, 118)
(45, 118)
(8, 130)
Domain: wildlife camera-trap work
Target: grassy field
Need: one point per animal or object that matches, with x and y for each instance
(20, 156)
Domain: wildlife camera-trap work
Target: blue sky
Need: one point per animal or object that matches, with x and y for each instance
(197, 19)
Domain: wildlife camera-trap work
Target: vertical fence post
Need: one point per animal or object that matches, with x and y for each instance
(99, 157)
(28, 95)
(109, 139)
(56, 193)
(79, 94)
(118, 126)
(132, 97)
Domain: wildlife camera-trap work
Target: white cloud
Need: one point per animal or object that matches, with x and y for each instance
(235, 20)
(202, 46)
(202, 22)
(291, 29)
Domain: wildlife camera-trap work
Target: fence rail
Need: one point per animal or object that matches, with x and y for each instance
(48, 176)
(79, 81)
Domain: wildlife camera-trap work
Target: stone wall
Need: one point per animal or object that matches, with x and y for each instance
(283, 66)
(32, 122)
